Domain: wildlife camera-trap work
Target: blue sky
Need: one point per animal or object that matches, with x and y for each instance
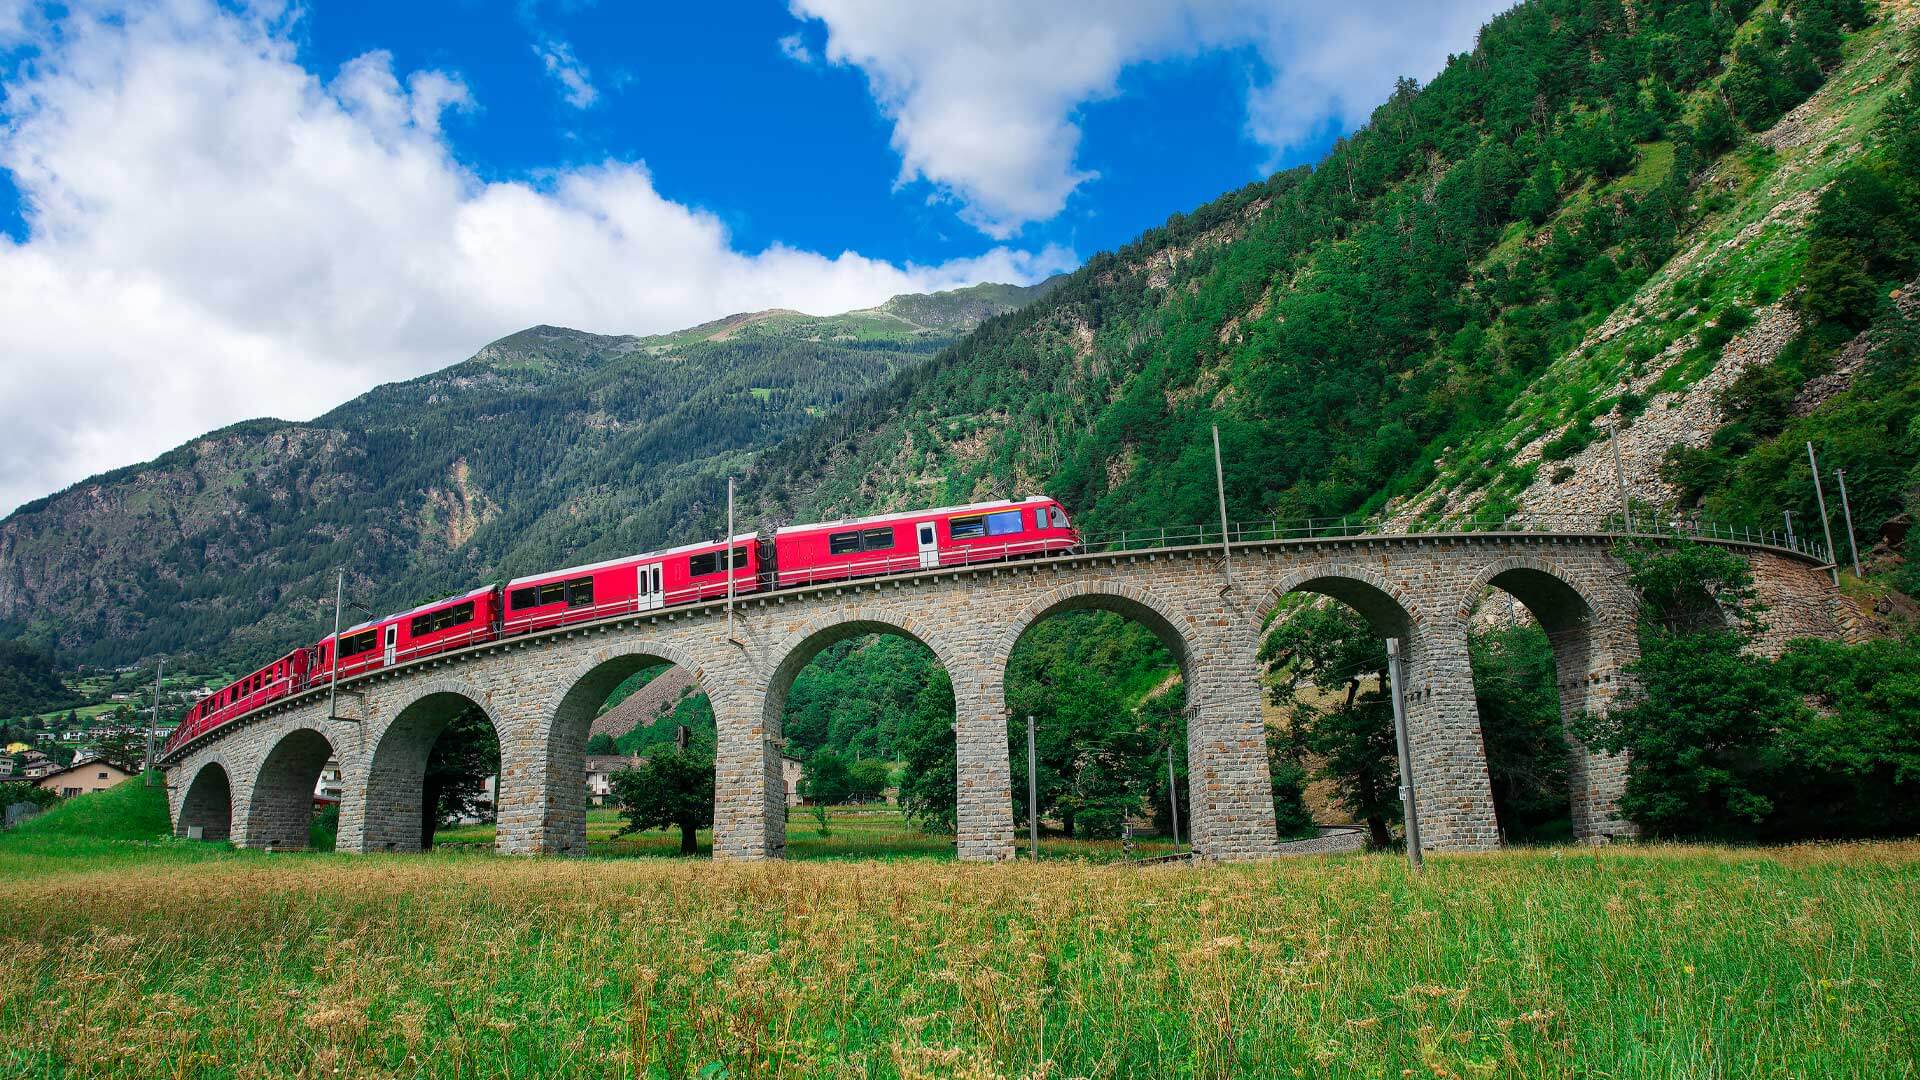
(785, 151)
(212, 210)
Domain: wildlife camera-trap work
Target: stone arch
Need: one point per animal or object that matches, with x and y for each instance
(1230, 805)
(752, 753)
(1591, 633)
(208, 803)
(543, 799)
(389, 812)
(280, 801)
(1174, 628)
(1454, 795)
(1384, 604)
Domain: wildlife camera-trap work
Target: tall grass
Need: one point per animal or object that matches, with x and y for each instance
(1617, 962)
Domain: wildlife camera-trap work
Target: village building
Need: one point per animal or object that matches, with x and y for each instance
(84, 778)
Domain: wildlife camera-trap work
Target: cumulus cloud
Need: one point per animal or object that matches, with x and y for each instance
(216, 233)
(576, 82)
(983, 95)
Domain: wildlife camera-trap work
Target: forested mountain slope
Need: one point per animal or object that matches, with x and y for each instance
(1440, 316)
(547, 447)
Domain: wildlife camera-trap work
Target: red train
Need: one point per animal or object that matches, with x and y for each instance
(794, 557)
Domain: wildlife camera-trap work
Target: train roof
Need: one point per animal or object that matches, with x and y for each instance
(906, 515)
(645, 556)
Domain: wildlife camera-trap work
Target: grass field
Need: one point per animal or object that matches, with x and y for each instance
(876, 832)
(166, 958)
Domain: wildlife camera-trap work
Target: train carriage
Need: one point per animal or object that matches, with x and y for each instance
(795, 556)
(682, 575)
(284, 676)
(921, 539)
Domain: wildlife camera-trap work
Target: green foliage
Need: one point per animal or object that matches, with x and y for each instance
(28, 682)
(670, 788)
(867, 779)
(1331, 649)
(1514, 680)
(1291, 818)
(1347, 324)
(602, 743)
(826, 778)
(465, 754)
(1723, 743)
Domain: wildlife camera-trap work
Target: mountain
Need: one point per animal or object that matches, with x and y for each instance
(1688, 217)
(547, 447)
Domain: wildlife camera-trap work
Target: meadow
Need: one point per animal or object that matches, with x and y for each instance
(145, 957)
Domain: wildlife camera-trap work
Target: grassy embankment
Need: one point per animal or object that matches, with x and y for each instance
(146, 957)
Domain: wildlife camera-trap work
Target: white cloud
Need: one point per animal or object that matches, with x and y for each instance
(575, 79)
(794, 49)
(217, 233)
(983, 94)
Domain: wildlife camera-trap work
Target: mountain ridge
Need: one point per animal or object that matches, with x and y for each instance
(545, 444)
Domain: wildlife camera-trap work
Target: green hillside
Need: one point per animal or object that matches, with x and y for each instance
(1434, 313)
(547, 447)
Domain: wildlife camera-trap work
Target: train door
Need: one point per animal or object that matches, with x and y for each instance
(929, 546)
(393, 640)
(647, 593)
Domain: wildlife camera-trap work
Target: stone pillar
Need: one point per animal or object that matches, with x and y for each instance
(542, 787)
(749, 796)
(1587, 659)
(984, 815)
(1455, 797)
(1230, 800)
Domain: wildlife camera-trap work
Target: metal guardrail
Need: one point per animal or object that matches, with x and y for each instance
(1665, 527)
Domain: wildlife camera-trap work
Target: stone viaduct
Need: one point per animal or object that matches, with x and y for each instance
(252, 781)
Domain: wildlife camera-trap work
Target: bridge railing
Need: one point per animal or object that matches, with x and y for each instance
(1663, 526)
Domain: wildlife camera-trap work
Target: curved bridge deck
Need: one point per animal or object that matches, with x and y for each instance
(253, 779)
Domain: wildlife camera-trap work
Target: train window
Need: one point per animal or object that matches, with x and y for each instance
(740, 557)
(967, 528)
(580, 592)
(1059, 518)
(522, 598)
(845, 543)
(877, 539)
(355, 644)
(1004, 523)
(704, 564)
(435, 621)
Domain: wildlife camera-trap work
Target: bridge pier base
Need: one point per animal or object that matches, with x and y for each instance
(1455, 795)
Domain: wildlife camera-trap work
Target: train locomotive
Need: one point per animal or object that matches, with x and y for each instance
(793, 557)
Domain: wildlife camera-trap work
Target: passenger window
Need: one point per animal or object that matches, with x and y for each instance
(845, 543)
(1005, 523)
(967, 528)
(580, 592)
(522, 598)
(702, 565)
(877, 540)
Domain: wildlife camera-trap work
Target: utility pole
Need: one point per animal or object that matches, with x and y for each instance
(1620, 476)
(333, 660)
(1820, 497)
(1408, 806)
(158, 668)
(729, 562)
(1033, 794)
(1173, 798)
(1220, 486)
(1847, 513)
